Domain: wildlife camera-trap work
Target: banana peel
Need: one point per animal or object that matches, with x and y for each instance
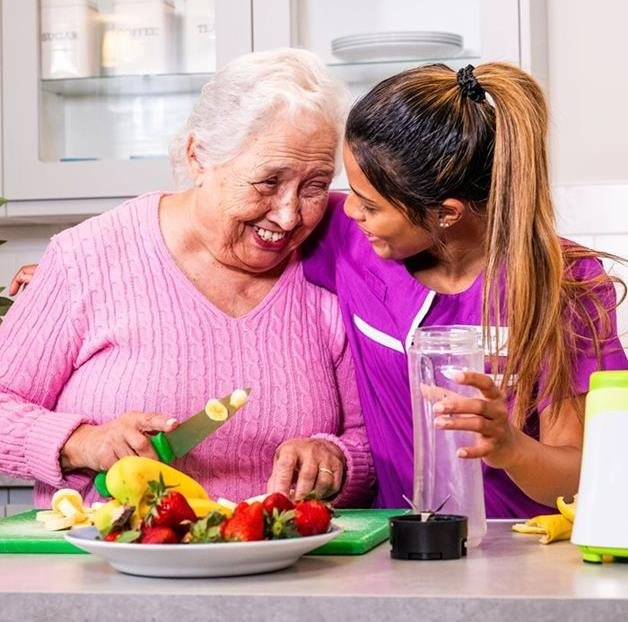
(568, 510)
(551, 527)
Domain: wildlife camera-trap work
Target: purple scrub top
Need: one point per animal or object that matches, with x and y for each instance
(382, 305)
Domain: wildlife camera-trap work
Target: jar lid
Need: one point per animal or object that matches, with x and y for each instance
(608, 380)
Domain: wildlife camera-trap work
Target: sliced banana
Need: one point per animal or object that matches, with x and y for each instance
(70, 510)
(238, 398)
(57, 523)
(68, 495)
(67, 511)
(226, 503)
(216, 410)
(43, 515)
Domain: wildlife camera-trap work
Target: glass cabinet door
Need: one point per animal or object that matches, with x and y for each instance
(365, 41)
(104, 86)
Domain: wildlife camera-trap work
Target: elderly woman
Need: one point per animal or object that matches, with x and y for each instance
(136, 317)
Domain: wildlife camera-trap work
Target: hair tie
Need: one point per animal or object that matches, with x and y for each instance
(468, 84)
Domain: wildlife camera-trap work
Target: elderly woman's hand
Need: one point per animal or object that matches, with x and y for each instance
(97, 447)
(306, 465)
(486, 414)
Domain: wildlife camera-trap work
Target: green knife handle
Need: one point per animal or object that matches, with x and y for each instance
(164, 453)
(162, 448)
(100, 483)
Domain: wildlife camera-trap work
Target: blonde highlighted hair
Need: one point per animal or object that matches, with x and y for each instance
(420, 138)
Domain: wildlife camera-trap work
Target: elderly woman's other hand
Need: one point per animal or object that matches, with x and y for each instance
(97, 447)
(22, 278)
(305, 465)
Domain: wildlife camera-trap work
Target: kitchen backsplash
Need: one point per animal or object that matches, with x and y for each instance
(593, 215)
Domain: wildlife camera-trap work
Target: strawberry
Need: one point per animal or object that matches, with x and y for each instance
(312, 517)
(112, 536)
(246, 524)
(158, 535)
(208, 529)
(168, 508)
(276, 501)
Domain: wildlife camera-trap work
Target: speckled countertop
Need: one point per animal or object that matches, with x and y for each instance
(509, 578)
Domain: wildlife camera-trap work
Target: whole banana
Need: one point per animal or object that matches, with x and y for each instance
(127, 481)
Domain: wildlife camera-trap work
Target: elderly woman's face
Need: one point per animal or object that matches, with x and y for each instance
(258, 207)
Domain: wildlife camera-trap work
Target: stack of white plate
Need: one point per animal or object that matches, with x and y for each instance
(400, 45)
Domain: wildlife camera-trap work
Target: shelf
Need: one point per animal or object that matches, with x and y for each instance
(374, 71)
(121, 86)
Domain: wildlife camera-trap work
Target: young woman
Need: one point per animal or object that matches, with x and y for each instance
(450, 221)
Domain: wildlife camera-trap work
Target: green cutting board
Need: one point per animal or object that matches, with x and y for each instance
(363, 530)
(21, 533)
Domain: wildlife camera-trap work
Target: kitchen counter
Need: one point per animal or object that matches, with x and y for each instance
(11, 482)
(510, 577)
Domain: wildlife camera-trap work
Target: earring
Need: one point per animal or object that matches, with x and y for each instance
(443, 224)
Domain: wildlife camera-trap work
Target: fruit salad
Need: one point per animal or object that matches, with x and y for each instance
(156, 504)
(171, 520)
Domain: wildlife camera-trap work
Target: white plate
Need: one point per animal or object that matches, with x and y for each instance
(413, 35)
(393, 50)
(199, 560)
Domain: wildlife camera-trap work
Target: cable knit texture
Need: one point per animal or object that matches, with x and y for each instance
(110, 324)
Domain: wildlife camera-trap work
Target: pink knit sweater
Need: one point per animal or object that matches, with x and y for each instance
(110, 324)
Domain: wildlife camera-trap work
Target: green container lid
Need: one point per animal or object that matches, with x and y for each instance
(608, 380)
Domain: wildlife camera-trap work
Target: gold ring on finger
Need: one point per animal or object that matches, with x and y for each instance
(324, 469)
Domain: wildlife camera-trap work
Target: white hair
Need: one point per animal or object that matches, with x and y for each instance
(245, 93)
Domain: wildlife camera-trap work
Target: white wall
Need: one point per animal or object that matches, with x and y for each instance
(25, 244)
(588, 91)
(588, 78)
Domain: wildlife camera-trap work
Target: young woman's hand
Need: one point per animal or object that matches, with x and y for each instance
(21, 278)
(486, 414)
(97, 447)
(306, 465)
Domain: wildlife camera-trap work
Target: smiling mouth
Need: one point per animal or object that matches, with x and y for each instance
(271, 240)
(269, 236)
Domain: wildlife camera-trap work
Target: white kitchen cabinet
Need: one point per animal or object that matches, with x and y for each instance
(76, 145)
(94, 122)
(505, 30)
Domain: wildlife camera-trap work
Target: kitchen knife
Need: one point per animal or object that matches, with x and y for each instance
(187, 435)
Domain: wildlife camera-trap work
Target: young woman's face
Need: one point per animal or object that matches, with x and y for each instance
(257, 208)
(386, 227)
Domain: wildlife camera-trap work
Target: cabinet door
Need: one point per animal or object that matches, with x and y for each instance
(99, 88)
(364, 41)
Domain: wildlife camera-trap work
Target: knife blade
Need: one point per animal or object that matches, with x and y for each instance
(187, 435)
